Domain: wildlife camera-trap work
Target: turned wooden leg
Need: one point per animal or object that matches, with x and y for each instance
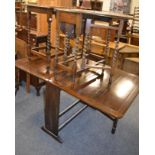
(114, 126)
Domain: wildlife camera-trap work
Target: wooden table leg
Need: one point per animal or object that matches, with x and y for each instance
(114, 126)
(51, 111)
(17, 80)
(27, 82)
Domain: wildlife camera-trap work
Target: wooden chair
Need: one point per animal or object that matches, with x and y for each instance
(83, 61)
(102, 62)
(72, 19)
(21, 52)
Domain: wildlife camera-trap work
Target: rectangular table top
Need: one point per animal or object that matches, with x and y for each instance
(109, 14)
(113, 102)
(46, 9)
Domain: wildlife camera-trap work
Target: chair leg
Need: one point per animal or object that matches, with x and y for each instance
(114, 126)
(38, 91)
(38, 87)
(17, 80)
(17, 88)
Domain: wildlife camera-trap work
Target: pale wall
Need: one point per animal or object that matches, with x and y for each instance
(106, 5)
(133, 4)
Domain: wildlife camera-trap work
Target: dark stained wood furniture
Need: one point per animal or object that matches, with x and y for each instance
(83, 15)
(43, 10)
(39, 39)
(21, 52)
(97, 15)
(89, 86)
(75, 17)
(113, 102)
